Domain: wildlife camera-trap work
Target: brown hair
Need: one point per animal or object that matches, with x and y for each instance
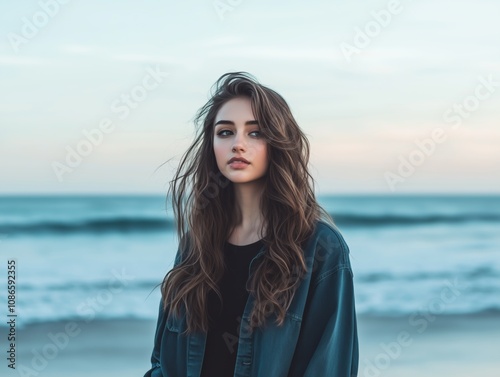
(205, 215)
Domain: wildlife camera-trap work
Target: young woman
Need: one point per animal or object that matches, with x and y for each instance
(262, 283)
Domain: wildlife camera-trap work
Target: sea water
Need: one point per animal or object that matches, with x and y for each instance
(102, 257)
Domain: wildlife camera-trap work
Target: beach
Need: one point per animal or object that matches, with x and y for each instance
(455, 346)
(101, 348)
(449, 346)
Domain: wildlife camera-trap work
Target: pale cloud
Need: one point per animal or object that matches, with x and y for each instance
(116, 55)
(81, 49)
(225, 40)
(145, 58)
(22, 60)
(290, 54)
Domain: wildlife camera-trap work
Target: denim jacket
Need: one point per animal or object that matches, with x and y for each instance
(318, 339)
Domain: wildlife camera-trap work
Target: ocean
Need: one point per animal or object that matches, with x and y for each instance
(102, 257)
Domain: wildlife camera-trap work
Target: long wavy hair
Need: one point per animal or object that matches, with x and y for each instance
(204, 210)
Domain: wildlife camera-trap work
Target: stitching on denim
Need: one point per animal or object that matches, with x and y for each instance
(294, 316)
(344, 247)
(325, 274)
(344, 251)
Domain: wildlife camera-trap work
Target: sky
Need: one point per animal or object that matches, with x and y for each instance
(395, 97)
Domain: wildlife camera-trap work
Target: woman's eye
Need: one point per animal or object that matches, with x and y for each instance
(223, 133)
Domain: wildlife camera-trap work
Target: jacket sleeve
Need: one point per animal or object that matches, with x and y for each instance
(155, 370)
(328, 343)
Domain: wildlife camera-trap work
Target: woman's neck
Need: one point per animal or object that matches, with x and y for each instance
(247, 205)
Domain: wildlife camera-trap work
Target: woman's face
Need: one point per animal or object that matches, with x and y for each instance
(236, 134)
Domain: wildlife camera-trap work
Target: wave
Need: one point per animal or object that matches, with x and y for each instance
(151, 315)
(96, 225)
(63, 300)
(410, 220)
(471, 276)
(123, 224)
(477, 273)
(84, 286)
(484, 311)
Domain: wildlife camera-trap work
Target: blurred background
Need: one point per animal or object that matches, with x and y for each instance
(399, 100)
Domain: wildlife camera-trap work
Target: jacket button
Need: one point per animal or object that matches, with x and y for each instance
(247, 362)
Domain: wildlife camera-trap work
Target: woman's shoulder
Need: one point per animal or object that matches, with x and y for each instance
(328, 231)
(328, 249)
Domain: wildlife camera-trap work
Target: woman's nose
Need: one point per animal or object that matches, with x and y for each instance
(239, 143)
(237, 147)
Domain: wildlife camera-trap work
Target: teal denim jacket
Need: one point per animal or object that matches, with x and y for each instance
(318, 339)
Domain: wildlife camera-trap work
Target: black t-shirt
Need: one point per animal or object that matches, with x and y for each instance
(224, 321)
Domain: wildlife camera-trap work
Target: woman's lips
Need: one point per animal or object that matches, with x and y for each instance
(238, 165)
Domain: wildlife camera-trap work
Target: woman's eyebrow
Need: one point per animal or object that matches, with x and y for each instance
(230, 122)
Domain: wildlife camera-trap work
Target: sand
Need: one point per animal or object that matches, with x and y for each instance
(442, 346)
(445, 346)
